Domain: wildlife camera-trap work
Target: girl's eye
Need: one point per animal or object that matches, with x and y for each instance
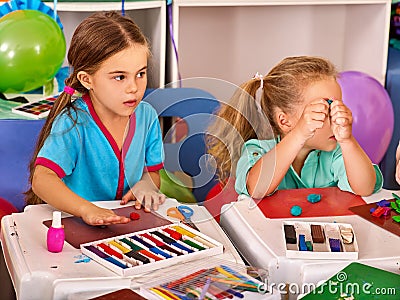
(141, 74)
(119, 77)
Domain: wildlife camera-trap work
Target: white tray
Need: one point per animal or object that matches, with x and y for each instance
(321, 250)
(212, 248)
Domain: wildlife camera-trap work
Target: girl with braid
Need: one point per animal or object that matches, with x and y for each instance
(105, 144)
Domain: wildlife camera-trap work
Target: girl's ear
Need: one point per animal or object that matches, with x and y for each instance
(85, 79)
(284, 121)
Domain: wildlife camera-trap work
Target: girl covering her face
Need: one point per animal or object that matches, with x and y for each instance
(290, 129)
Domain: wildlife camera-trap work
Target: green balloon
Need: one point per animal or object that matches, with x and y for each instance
(32, 50)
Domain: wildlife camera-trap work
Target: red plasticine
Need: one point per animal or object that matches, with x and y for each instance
(134, 216)
(172, 233)
(110, 251)
(378, 212)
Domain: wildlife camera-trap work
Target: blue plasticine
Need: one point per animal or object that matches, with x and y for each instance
(314, 198)
(334, 245)
(383, 203)
(302, 243)
(296, 210)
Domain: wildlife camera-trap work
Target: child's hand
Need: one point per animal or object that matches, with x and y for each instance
(341, 120)
(313, 118)
(398, 164)
(95, 215)
(145, 195)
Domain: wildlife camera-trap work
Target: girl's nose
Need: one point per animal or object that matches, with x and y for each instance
(327, 122)
(132, 86)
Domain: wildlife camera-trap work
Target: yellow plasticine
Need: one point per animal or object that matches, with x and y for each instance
(184, 231)
(119, 246)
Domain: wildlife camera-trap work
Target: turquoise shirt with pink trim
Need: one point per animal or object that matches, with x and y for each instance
(86, 157)
(321, 168)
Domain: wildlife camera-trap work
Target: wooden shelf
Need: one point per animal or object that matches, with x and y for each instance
(98, 6)
(272, 2)
(149, 15)
(232, 40)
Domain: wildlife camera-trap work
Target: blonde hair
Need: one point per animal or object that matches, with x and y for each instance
(238, 120)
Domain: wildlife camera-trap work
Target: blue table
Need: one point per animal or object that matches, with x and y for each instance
(17, 143)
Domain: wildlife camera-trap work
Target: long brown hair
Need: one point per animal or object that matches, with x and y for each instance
(239, 120)
(96, 39)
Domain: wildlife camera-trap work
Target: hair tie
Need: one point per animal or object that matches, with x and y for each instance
(69, 90)
(260, 77)
(257, 98)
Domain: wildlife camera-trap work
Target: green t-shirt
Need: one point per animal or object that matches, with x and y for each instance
(321, 169)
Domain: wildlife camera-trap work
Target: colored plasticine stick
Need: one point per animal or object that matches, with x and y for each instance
(133, 246)
(119, 246)
(174, 234)
(193, 244)
(110, 251)
(137, 256)
(150, 255)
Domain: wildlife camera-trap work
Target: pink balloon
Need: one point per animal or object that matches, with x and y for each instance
(373, 116)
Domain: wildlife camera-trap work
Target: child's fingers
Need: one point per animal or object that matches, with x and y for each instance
(398, 164)
(150, 200)
(313, 121)
(115, 220)
(338, 105)
(316, 116)
(118, 220)
(341, 121)
(147, 205)
(157, 200)
(339, 112)
(102, 216)
(315, 113)
(129, 196)
(318, 106)
(398, 174)
(139, 201)
(342, 118)
(161, 198)
(95, 221)
(398, 153)
(339, 109)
